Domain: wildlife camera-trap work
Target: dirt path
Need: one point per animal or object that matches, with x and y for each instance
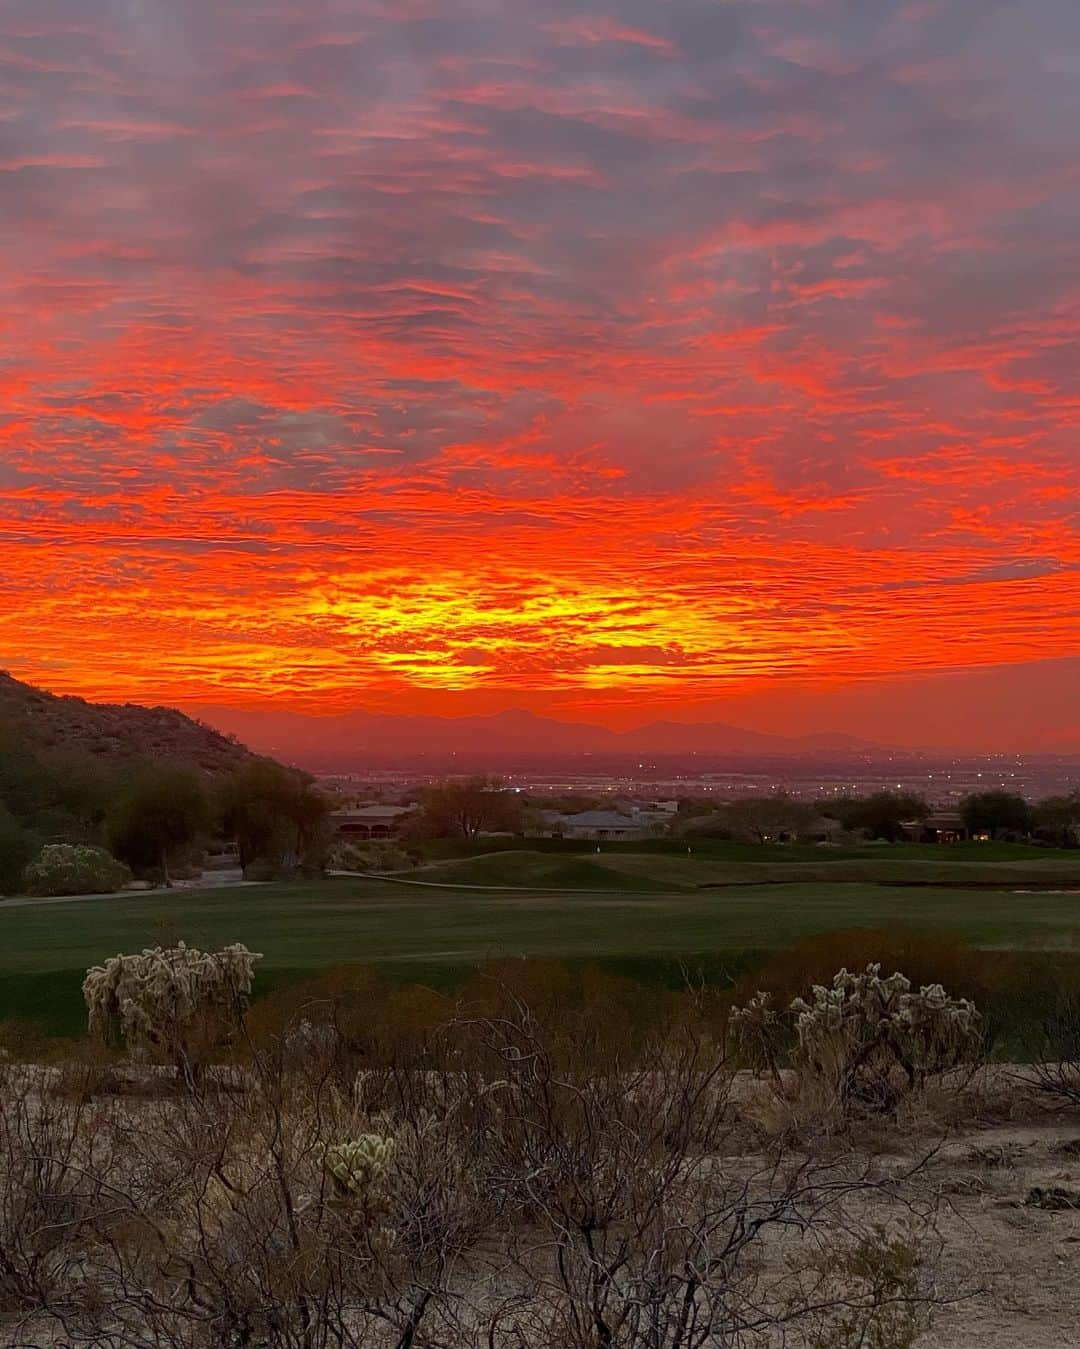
(209, 880)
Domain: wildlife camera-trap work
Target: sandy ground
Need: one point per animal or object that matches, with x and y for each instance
(1007, 1272)
(1015, 1266)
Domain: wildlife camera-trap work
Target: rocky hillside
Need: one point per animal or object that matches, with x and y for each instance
(111, 732)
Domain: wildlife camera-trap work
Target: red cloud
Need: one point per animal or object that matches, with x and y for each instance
(532, 360)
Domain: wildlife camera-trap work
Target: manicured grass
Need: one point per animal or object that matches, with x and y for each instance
(349, 920)
(617, 867)
(726, 851)
(436, 935)
(527, 870)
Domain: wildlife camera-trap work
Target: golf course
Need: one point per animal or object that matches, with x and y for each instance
(723, 906)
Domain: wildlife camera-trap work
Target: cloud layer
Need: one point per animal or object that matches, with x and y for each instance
(569, 355)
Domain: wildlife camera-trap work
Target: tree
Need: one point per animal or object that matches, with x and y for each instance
(18, 847)
(768, 819)
(465, 808)
(997, 813)
(1057, 819)
(57, 793)
(276, 814)
(879, 815)
(163, 813)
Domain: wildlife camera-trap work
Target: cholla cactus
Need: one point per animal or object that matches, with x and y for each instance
(858, 1034)
(756, 1032)
(355, 1168)
(165, 998)
(863, 1027)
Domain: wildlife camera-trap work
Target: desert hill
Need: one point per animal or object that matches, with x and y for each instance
(110, 732)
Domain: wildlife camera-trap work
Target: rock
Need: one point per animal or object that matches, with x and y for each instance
(1053, 1197)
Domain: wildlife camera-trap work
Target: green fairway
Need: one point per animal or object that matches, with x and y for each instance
(419, 932)
(622, 867)
(343, 920)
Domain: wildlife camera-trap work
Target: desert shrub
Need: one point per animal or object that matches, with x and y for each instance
(864, 1041)
(262, 870)
(350, 1018)
(377, 855)
(74, 869)
(18, 847)
(59, 1162)
(537, 1189)
(337, 1012)
(866, 1289)
(926, 958)
(613, 1016)
(1055, 1047)
(757, 1032)
(180, 1003)
(24, 1042)
(1000, 983)
(627, 1230)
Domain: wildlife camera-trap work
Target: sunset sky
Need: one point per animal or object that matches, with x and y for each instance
(616, 359)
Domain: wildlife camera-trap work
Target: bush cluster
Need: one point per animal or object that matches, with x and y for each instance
(862, 1043)
(74, 869)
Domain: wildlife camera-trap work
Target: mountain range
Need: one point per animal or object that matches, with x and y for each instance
(352, 738)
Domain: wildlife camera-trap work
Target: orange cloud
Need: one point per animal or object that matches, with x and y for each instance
(382, 355)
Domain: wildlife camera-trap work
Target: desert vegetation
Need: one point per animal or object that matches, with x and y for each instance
(73, 869)
(72, 822)
(542, 1155)
(529, 1164)
(862, 1044)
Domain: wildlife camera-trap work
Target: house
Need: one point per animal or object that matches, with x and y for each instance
(823, 829)
(599, 824)
(364, 822)
(943, 826)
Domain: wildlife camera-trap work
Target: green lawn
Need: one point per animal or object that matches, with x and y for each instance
(424, 933)
(621, 867)
(344, 920)
(724, 850)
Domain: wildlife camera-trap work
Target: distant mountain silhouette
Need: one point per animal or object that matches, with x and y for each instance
(347, 740)
(117, 733)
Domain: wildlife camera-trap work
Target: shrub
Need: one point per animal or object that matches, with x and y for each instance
(179, 1002)
(18, 847)
(378, 855)
(926, 958)
(1056, 1049)
(866, 1290)
(262, 870)
(865, 1040)
(542, 1192)
(74, 869)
